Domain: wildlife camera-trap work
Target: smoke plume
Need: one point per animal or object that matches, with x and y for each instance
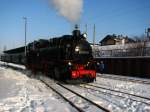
(70, 9)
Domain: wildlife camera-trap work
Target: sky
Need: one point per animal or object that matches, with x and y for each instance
(126, 17)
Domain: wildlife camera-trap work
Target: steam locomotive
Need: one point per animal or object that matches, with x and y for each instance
(64, 58)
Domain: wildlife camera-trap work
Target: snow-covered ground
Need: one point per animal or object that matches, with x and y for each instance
(126, 86)
(19, 93)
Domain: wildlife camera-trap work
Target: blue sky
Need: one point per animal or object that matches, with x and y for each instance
(127, 17)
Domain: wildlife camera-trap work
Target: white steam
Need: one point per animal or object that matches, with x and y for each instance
(70, 9)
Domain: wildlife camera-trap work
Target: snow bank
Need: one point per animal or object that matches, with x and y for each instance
(126, 86)
(13, 65)
(18, 93)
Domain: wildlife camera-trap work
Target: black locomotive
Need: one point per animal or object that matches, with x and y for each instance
(64, 58)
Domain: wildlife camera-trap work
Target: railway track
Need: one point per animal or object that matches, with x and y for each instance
(68, 94)
(73, 95)
(92, 105)
(104, 90)
(142, 81)
(16, 67)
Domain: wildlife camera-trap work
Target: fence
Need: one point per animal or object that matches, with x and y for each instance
(127, 50)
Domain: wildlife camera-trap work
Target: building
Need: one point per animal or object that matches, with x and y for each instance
(115, 40)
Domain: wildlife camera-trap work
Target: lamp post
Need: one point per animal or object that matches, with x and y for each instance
(94, 35)
(25, 33)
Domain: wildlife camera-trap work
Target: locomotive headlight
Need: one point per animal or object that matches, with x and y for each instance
(77, 49)
(88, 63)
(85, 35)
(69, 63)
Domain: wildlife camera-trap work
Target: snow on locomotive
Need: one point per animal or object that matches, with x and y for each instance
(64, 58)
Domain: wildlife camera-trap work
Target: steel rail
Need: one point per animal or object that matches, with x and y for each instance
(71, 103)
(126, 79)
(138, 96)
(102, 108)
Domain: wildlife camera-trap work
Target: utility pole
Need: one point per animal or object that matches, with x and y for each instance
(25, 33)
(86, 28)
(94, 34)
(148, 31)
(5, 48)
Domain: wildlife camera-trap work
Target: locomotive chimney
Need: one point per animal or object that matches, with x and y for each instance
(76, 33)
